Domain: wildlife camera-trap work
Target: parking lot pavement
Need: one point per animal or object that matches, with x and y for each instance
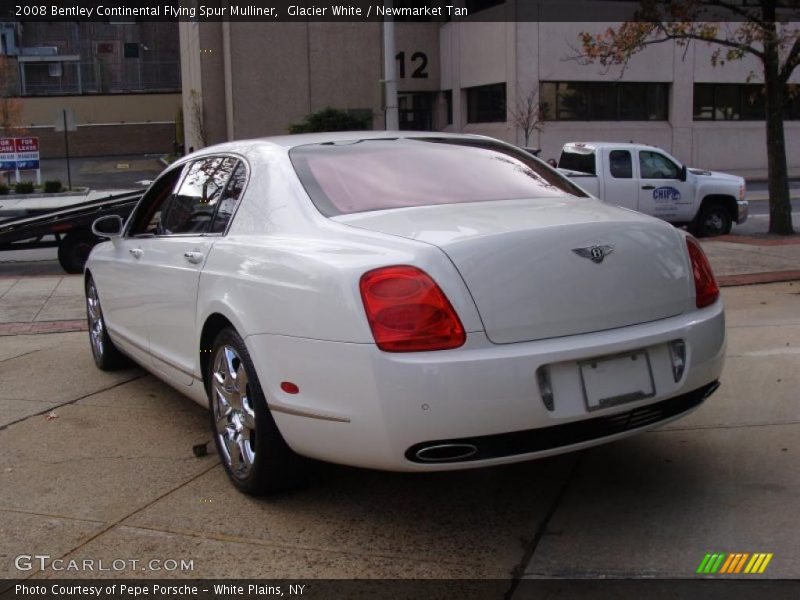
(100, 466)
(723, 479)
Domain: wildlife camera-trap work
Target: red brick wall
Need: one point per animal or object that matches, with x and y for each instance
(107, 140)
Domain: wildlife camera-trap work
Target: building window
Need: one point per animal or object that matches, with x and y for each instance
(448, 103)
(739, 102)
(131, 50)
(599, 101)
(486, 103)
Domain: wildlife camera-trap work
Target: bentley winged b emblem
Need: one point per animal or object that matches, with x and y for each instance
(594, 253)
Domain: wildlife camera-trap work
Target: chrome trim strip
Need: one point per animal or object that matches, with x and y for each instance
(282, 408)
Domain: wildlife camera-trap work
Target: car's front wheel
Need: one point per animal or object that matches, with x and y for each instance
(714, 219)
(250, 446)
(106, 355)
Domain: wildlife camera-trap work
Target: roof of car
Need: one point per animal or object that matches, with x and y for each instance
(292, 141)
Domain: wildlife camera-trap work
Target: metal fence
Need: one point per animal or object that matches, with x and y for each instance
(98, 77)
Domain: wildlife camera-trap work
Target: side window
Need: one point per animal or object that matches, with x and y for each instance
(657, 166)
(620, 164)
(193, 206)
(229, 199)
(147, 219)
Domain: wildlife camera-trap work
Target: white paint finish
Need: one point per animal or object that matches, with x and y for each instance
(481, 388)
(287, 279)
(516, 258)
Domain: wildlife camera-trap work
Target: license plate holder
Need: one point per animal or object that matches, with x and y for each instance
(618, 379)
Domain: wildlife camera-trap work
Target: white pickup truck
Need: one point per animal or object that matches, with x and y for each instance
(649, 180)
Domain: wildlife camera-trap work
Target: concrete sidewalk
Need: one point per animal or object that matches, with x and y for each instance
(99, 466)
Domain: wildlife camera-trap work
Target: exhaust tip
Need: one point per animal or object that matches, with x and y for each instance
(445, 452)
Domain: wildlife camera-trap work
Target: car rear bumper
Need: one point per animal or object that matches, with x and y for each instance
(360, 406)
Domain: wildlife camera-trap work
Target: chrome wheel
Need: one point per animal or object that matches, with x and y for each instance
(234, 414)
(95, 314)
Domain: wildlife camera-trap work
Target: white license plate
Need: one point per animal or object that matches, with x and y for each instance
(617, 380)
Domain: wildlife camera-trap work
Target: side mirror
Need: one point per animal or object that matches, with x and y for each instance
(109, 227)
(684, 173)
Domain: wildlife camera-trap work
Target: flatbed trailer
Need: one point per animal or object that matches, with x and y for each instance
(69, 229)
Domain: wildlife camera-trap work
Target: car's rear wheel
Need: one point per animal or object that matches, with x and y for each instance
(106, 355)
(255, 456)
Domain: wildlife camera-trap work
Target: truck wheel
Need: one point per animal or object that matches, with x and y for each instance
(714, 219)
(74, 250)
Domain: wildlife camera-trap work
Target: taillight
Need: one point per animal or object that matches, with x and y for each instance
(407, 311)
(705, 286)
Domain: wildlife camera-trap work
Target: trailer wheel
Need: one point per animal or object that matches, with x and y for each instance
(74, 250)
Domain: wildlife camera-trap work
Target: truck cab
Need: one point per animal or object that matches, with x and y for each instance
(649, 180)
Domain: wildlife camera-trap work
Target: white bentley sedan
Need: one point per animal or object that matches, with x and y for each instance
(402, 301)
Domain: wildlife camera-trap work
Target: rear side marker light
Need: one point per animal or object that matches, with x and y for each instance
(408, 312)
(705, 286)
(677, 354)
(289, 387)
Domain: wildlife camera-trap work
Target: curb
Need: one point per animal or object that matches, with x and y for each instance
(758, 278)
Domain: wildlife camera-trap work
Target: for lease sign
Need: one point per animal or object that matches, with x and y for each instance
(19, 154)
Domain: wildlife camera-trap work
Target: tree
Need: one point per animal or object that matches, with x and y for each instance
(525, 115)
(10, 103)
(757, 28)
(331, 119)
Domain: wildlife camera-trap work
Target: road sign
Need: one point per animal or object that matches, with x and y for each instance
(27, 149)
(19, 154)
(8, 155)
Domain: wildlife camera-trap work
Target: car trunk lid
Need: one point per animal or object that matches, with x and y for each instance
(528, 263)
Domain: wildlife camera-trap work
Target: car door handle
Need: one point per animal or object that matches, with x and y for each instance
(648, 187)
(193, 257)
(137, 252)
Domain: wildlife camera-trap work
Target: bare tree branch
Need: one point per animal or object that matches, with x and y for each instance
(792, 60)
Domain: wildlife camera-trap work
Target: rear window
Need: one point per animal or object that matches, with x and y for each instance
(578, 160)
(367, 175)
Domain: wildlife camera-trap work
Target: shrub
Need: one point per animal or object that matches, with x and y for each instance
(3, 189)
(333, 119)
(24, 187)
(52, 187)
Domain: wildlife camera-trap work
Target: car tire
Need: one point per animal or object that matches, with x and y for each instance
(251, 448)
(714, 219)
(106, 355)
(74, 249)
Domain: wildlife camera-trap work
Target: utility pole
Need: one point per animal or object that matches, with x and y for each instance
(66, 148)
(390, 72)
